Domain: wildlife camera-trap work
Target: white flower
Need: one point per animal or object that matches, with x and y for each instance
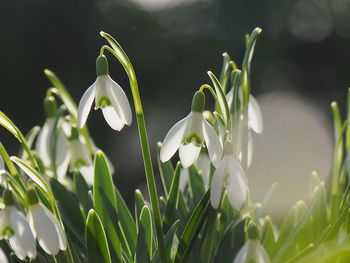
(255, 115)
(46, 228)
(109, 96)
(81, 159)
(3, 258)
(254, 112)
(229, 174)
(15, 228)
(203, 166)
(252, 251)
(189, 134)
(45, 140)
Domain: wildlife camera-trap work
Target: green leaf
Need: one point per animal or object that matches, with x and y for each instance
(96, 241)
(196, 186)
(168, 241)
(192, 229)
(225, 72)
(9, 125)
(250, 45)
(224, 109)
(166, 171)
(170, 208)
(139, 204)
(299, 218)
(69, 209)
(30, 137)
(126, 222)
(82, 190)
(268, 236)
(62, 92)
(144, 237)
(31, 172)
(105, 203)
(207, 250)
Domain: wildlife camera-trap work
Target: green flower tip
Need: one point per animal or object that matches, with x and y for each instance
(102, 66)
(32, 197)
(8, 198)
(198, 102)
(253, 231)
(50, 107)
(258, 30)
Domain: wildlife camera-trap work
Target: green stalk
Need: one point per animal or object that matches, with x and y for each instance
(119, 53)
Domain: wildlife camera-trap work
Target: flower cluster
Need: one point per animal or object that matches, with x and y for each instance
(59, 200)
(21, 232)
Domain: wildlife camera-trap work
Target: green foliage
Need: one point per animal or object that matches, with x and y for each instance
(182, 226)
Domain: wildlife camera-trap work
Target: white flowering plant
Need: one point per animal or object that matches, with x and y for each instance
(60, 204)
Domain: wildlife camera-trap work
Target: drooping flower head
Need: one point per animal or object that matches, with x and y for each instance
(108, 96)
(46, 228)
(15, 228)
(252, 251)
(190, 134)
(46, 137)
(80, 158)
(229, 175)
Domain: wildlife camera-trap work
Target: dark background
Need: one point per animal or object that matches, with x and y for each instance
(304, 46)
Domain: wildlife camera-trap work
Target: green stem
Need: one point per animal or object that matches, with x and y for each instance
(119, 53)
(212, 91)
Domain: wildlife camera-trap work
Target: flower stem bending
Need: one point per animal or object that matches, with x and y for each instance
(119, 53)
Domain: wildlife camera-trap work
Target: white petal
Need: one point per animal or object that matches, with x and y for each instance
(79, 154)
(112, 118)
(3, 258)
(4, 220)
(229, 97)
(119, 101)
(88, 173)
(252, 251)
(237, 188)
(188, 154)
(44, 230)
(2, 165)
(255, 115)
(184, 173)
(62, 155)
(85, 104)
(213, 143)
(43, 142)
(58, 227)
(23, 241)
(173, 139)
(250, 149)
(203, 164)
(242, 254)
(217, 185)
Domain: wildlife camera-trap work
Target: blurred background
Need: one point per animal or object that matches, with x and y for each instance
(301, 64)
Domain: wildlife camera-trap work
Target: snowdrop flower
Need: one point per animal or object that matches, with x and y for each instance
(252, 251)
(46, 228)
(203, 166)
(3, 258)
(189, 135)
(109, 97)
(254, 112)
(45, 137)
(229, 174)
(15, 228)
(80, 157)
